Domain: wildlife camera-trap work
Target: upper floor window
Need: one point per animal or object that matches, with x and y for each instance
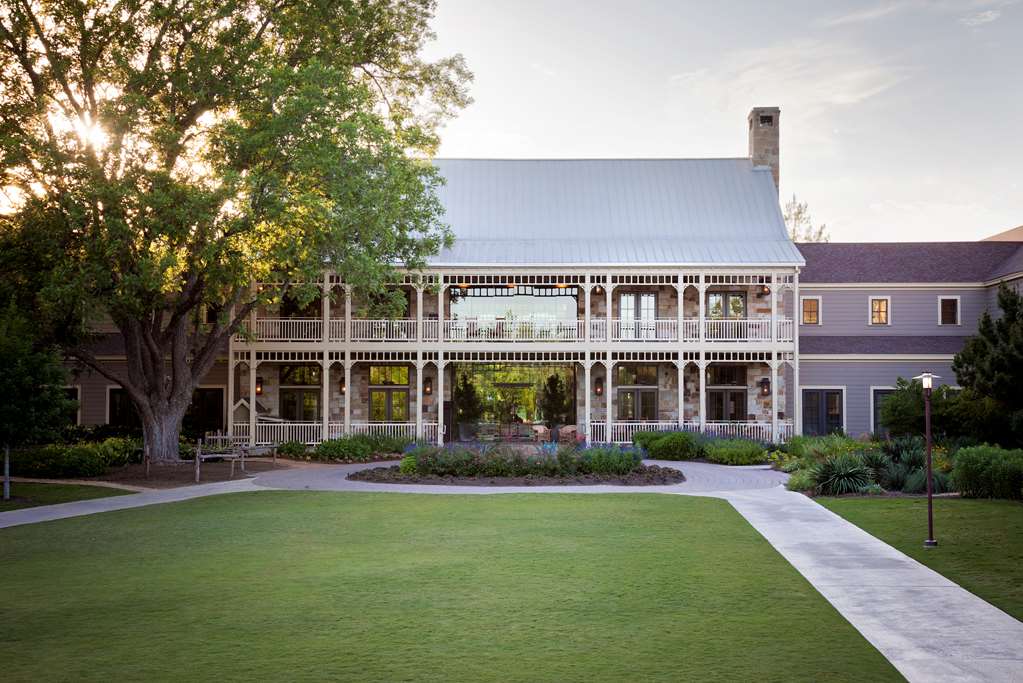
(636, 375)
(726, 305)
(880, 310)
(397, 375)
(948, 310)
(811, 314)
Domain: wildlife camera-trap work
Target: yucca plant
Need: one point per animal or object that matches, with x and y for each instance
(841, 474)
(877, 462)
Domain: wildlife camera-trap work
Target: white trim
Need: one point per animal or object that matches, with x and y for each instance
(879, 357)
(959, 311)
(870, 310)
(820, 311)
(842, 388)
(106, 408)
(78, 399)
(870, 399)
(896, 285)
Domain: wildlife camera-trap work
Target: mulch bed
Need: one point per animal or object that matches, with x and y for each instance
(182, 474)
(648, 475)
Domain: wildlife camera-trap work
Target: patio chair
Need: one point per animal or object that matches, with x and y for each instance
(541, 433)
(567, 434)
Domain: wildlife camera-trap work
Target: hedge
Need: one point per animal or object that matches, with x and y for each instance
(988, 472)
(65, 461)
(735, 452)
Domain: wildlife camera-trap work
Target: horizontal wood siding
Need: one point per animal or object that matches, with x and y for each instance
(913, 312)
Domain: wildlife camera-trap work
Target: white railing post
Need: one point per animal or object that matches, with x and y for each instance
(680, 369)
(774, 308)
(702, 367)
(419, 313)
(440, 398)
(701, 290)
(797, 397)
(586, 314)
(609, 389)
(419, 395)
(348, 313)
(586, 390)
(347, 396)
(325, 401)
(253, 368)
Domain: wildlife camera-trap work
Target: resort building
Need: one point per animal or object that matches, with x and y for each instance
(605, 296)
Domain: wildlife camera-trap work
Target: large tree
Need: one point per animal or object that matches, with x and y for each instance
(160, 156)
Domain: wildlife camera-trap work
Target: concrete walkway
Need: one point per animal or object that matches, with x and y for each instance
(930, 628)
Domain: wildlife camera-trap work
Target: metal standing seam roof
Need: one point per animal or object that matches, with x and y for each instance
(612, 212)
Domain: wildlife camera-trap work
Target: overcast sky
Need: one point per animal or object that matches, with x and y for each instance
(900, 120)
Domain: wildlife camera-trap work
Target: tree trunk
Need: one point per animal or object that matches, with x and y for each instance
(160, 435)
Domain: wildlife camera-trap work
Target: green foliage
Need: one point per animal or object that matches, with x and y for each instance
(466, 400)
(675, 446)
(877, 462)
(555, 401)
(735, 452)
(292, 449)
(34, 408)
(989, 472)
(840, 474)
(954, 413)
(872, 490)
(894, 476)
(60, 461)
(916, 482)
(817, 448)
(502, 461)
(159, 159)
(801, 480)
(358, 447)
(610, 460)
(408, 465)
(643, 439)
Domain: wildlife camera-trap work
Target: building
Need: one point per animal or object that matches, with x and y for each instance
(663, 293)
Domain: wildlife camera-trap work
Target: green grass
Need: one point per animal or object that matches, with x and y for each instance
(980, 542)
(27, 494)
(390, 587)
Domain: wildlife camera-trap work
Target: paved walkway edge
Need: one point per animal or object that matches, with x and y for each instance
(928, 627)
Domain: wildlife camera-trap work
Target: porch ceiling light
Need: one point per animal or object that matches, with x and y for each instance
(511, 285)
(259, 386)
(561, 285)
(463, 285)
(765, 387)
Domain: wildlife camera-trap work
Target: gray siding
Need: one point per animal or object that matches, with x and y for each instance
(912, 312)
(857, 377)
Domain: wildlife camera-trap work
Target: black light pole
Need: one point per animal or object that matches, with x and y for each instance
(927, 380)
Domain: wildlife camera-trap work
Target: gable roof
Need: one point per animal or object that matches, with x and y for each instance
(612, 212)
(908, 262)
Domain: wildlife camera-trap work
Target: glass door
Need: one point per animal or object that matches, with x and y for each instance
(300, 405)
(388, 405)
(638, 314)
(637, 405)
(822, 411)
(726, 405)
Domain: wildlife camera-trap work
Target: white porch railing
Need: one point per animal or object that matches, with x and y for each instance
(405, 430)
(383, 330)
(757, 431)
(655, 329)
(272, 433)
(337, 329)
(598, 432)
(786, 329)
(289, 329)
(525, 330)
(598, 329)
(430, 432)
(430, 329)
(690, 329)
(623, 432)
(738, 329)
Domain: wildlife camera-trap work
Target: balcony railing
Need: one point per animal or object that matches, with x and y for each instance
(526, 330)
(383, 330)
(654, 329)
(746, 329)
(289, 329)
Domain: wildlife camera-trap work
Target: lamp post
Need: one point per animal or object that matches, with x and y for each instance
(927, 380)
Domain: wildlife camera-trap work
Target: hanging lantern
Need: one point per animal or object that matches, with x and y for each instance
(259, 386)
(428, 386)
(598, 386)
(765, 387)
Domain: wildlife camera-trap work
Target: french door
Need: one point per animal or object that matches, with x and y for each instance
(822, 411)
(388, 405)
(638, 314)
(637, 405)
(726, 405)
(300, 405)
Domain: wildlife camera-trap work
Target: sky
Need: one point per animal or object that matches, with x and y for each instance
(900, 120)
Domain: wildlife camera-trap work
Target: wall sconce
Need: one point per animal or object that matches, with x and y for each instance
(428, 386)
(764, 290)
(259, 386)
(598, 386)
(511, 285)
(765, 387)
(343, 387)
(598, 290)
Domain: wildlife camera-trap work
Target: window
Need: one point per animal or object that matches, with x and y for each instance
(637, 405)
(74, 412)
(878, 396)
(948, 310)
(638, 314)
(727, 405)
(121, 411)
(823, 411)
(633, 375)
(880, 310)
(388, 375)
(300, 405)
(726, 305)
(300, 375)
(726, 375)
(811, 310)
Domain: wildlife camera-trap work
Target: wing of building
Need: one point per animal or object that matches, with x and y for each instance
(664, 293)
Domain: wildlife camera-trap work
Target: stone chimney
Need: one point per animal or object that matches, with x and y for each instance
(763, 138)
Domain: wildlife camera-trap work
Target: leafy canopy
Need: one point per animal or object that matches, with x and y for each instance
(800, 223)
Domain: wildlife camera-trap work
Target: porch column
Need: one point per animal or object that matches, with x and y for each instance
(702, 365)
(348, 321)
(610, 389)
(609, 297)
(774, 308)
(587, 363)
(252, 397)
(325, 400)
(325, 307)
(440, 398)
(774, 398)
(419, 317)
(348, 395)
(680, 367)
(586, 323)
(702, 290)
(440, 308)
(797, 396)
(679, 289)
(419, 384)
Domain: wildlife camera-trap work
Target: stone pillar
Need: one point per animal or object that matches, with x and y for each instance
(253, 368)
(440, 398)
(325, 400)
(348, 395)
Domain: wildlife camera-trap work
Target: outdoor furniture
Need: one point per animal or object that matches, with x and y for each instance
(229, 453)
(488, 432)
(567, 434)
(541, 433)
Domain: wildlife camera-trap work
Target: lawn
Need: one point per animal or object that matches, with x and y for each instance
(27, 494)
(387, 587)
(980, 542)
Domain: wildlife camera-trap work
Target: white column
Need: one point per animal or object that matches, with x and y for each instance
(609, 391)
(702, 291)
(252, 397)
(325, 307)
(774, 398)
(348, 316)
(440, 398)
(587, 390)
(419, 389)
(419, 315)
(703, 392)
(586, 319)
(774, 308)
(680, 367)
(348, 395)
(325, 400)
(440, 308)
(229, 425)
(797, 396)
(679, 289)
(609, 297)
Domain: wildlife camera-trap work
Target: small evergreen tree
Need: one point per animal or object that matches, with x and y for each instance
(468, 406)
(554, 401)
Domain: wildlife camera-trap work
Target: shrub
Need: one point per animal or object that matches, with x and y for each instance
(735, 452)
(841, 474)
(408, 465)
(801, 480)
(916, 482)
(989, 472)
(59, 461)
(359, 447)
(894, 476)
(609, 460)
(292, 449)
(645, 438)
(877, 462)
(819, 448)
(675, 446)
(871, 490)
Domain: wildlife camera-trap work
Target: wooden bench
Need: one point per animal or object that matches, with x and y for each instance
(229, 453)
